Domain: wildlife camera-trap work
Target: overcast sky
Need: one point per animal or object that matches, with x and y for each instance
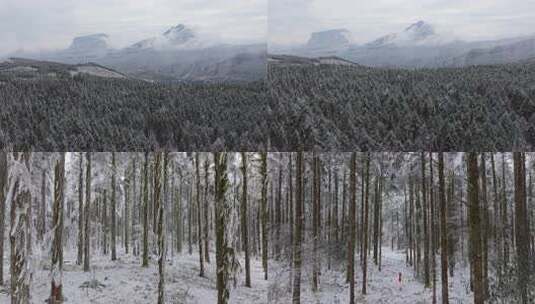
(292, 21)
(51, 24)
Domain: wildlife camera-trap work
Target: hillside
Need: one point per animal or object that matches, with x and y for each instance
(36, 69)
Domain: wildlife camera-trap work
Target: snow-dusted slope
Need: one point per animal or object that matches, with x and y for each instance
(418, 33)
(179, 36)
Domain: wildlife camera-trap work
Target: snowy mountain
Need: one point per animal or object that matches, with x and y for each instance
(330, 39)
(179, 36)
(87, 48)
(178, 54)
(416, 46)
(416, 33)
(95, 42)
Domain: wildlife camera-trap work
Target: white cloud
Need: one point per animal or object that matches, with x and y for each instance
(51, 24)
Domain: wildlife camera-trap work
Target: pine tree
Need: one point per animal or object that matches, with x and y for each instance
(264, 212)
(3, 186)
(244, 216)
(443, 229)
(484, 224)
(19, 240)
(42, 211)
(474, 213)
(315, 220)
(160, 227)
(113, 210)
(521, 225)
(56, 293)
(206, 212)
(427, 280)
(221, 216)
(352, 226)
(278, 214)
(145, 213)
(126, 216)
(199, 224)
(298, 233)
(433, 234)
(87, 217)
(365, 227)
(80, 211)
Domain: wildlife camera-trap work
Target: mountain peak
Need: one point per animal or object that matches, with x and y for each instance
(420, 30)
(329, 39)
(88, 47)
(90, 42)
(179, 34)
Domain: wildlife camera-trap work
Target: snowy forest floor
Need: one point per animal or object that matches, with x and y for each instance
(125, 281)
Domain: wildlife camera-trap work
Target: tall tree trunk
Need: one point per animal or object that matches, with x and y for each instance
(221, 216)
(3, 186)
(343, 223)
(505, 235)
(160, 227)
(427, 280)
(145, 213)
(18, 236)
(433, 235)
(315, 221)
(41, 229)
(443, 229)
(199, 224)
(475, 227)
(484, 224)
(190, 218)
(278, 214)
(113, 210)
(264, 213)
(352, 226)
(376, 222)
(126, 219)
(452, 227)
(365, 227)
(134, 219)
(521, 225)
(179, 220)
(206, 211)
(291, 218)
(298, 236)
(104, 221)
(335, 208)
(411, 223)
(244, 216)
(87, 217)
(496, 218)
(56, 272)
(80, 212)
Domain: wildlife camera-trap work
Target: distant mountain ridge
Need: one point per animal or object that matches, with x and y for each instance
(418, 45)
(178, 54)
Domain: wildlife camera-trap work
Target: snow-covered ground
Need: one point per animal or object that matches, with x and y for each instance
(382, 285)
(125, 281)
